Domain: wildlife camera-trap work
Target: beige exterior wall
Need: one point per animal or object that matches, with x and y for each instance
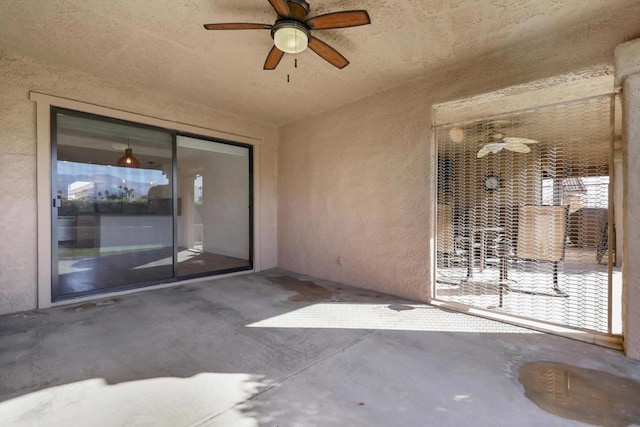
(354, 199)
(628, 76)
(18, 228)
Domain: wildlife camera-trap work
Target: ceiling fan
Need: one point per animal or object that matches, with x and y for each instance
(499, 141)
(291, 32)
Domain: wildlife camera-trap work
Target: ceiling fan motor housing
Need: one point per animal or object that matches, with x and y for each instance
(301, 3)
(290, 36)
(290, 23)
(299, 11)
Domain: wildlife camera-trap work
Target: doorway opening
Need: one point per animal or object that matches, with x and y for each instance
(525, 222)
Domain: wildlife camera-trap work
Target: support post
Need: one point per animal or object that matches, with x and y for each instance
(627, 74)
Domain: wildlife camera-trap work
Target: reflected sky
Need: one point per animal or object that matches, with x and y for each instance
(108, 177)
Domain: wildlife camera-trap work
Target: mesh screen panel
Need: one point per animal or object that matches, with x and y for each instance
(523, 211)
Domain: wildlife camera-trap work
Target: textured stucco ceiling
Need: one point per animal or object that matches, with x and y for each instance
(160, 45)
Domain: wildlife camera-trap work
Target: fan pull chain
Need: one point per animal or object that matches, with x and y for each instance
(295, 65)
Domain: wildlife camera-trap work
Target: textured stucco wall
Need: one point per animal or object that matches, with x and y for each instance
(628, 73)
(627, 60)
(354, 199)
(631, 213)
(18, 76)
(353, 196)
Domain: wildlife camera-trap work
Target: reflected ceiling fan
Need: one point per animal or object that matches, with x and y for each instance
(499, 141)
(291, 32)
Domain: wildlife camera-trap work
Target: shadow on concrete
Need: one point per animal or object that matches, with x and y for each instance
(271, 349)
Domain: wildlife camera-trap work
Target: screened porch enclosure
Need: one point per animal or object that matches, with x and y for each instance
(524, 215)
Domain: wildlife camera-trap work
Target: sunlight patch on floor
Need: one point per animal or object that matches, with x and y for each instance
(414, 317)
(153, 402)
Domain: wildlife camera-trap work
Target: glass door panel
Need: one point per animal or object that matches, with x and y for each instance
(113, 225)
(214, 209)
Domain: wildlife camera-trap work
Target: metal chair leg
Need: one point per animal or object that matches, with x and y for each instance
(503, 279)
(556, 286)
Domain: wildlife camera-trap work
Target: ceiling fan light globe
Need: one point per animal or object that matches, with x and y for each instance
(291, 39)
(456, 134)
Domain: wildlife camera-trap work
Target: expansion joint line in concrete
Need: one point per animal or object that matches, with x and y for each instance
(280, 381)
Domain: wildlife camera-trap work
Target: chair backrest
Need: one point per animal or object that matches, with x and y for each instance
(445, 241)
(542, 232)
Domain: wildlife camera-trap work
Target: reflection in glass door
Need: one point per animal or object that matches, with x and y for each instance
(214, 207)
(112, 225)
(136, 205)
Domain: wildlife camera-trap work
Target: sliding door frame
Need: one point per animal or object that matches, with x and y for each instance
(46, 106)
(55, 297)
(249, 147)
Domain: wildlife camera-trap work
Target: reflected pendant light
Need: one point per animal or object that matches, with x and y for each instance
(128, 161)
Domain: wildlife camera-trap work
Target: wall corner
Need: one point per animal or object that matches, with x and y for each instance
(627, 76)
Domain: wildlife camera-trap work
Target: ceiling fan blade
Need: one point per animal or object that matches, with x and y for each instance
(273, 59)
(520, 140)
(517, 147)
(494, 147)
(328, 53)
(482, 152)
(349, 18)
(237, 26)
(281, 7)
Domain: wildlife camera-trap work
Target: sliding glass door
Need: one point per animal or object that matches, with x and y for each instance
(120, 219)
(214, 214)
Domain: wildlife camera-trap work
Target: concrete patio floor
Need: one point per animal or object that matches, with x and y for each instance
(277, 349)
